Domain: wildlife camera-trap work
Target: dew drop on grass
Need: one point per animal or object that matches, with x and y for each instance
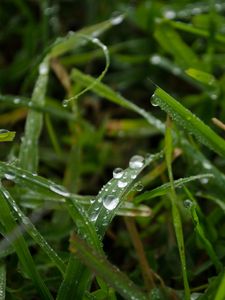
(133, 176)
(59, 190)
(110, 202)
(16, 101)
(188, 203)
(99, 200)
(138, 187)
(169, 14)
(154, 99)
(10, 176)
(136, 162)
(122, 184)
(65, 102)
(43, 69)
(117, 20)
(2, 131)
(92, 201)
(118, 173)
(207, 165)
(204, 180)
(94, 216)
(155, 59)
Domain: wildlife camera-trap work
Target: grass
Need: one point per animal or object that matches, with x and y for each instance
(112, 150)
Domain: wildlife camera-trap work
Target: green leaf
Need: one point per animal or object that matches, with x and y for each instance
(7, 136)
(184, 117)
(112, 275)
(201, 76)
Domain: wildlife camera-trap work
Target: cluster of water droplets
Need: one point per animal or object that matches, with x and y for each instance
(188, 203)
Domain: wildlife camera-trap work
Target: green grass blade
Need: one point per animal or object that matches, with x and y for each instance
(2, 281)
(220, 295)
(189, 121)
(175, 211)
(109, 273)
(181, 52)
(21, 248)
(163, 189)
(191, 205)
(104, 91)
(28, 156)
(33, 232)
(7, 136)
(201, 76)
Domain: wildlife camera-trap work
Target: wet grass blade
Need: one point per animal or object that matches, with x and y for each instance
(163, 189)
(2, 281)
(175, 211)
(14, 234)
(28, 156)
(109, 273)
(191, 205)
(183, 117)
(33, 232)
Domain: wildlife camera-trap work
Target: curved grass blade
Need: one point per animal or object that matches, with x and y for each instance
(175, 211)
(163, 189)
(28, 156)
(191, 205)
(34, 233)
(2, 281)
(220, 294)
(21, 248)
(109, 273)
(6, 136)
(189, 121)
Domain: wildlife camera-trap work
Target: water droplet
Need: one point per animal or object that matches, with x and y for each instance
(155, 59)
(2, 131)
(122, 184)
(188, 203)
(110, 202)
(154, 100)
(92, 201)
(43, 69)
(136, 162)
(133, 176)
(59, 190)
(169, 14)
(207, 165)
(204, 180)
(10, 176)
(65, 102)
(93, 217)
(99, 200)
(138, 186)
(118, 173)
(117, 20)
(16, 100)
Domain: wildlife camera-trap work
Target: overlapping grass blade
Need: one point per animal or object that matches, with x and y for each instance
(175, 211)
(184, 118)
(15, 236)
(2, 281)
(191, 205)
(109, 273)
(163, 189)
(34, 233)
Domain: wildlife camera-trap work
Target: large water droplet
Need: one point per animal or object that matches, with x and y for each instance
(136, 162)
(122, 184)
(155, 59)
(117, 20)
(110, 202)
(188, 203)
(118, 173)
(59, 190)
(154, 100)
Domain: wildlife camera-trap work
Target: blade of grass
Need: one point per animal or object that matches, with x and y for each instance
(189, 121)
(175, 211)
(101, 266)
(2, 281)
(21, 248)
(200, 231)
(33, 232)
(28, 156)
(220, 295)
(163, 189)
